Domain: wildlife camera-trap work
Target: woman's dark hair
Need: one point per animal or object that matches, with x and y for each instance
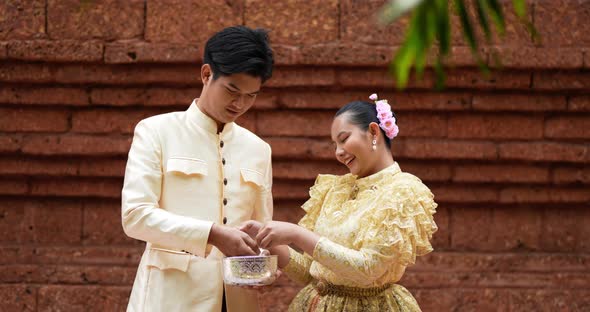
(362, 114)
(239, 49)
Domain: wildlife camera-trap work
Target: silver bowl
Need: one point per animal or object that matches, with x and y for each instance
(250, 270)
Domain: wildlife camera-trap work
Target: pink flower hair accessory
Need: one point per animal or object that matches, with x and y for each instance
(386, 120)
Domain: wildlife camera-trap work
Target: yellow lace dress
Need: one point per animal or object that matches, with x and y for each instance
(371, 229)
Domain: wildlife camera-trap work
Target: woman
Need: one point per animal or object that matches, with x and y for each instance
(361, 230)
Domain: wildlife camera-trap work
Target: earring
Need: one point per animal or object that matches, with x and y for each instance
(374, 143)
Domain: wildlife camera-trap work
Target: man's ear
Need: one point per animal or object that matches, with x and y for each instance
(206, 73)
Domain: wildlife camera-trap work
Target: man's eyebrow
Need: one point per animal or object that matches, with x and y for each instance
(233, 86)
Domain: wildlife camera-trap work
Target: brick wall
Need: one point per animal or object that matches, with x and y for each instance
(506, 156)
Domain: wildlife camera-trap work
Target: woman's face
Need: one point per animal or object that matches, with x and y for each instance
(353, 146)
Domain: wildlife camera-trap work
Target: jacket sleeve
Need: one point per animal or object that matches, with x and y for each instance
(142, 216)
(263, 209)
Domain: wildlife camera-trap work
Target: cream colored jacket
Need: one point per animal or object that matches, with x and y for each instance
(181, 177)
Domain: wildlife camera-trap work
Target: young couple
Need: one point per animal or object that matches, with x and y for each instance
(198, 188)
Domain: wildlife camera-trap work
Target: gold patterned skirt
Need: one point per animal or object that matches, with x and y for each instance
(319, 296)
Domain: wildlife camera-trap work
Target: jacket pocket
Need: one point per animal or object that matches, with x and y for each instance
(252, 176)
(166, 260)
(188, 166)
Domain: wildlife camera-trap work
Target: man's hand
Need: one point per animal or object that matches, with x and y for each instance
(232, 242)
(251, 227)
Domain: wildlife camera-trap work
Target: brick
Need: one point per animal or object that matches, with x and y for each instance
(307, 123)
(579, 103)
(496, 173)
(191, 22)
(571, 175)
(118, 96)
(16, 297)
(544, 195)
(16, 254)
(56, 222)
(56, 51)
(143, 52)
(285, 54)
(544, 262)
(291, 190)
(349, 53)
(304, 22)
(437, 149)
(561, 229)
(497, 80)
(80, 298)
(61, 274)
(427, 171)
(37, 167)
(462, 194)
(72, 19)
(16, 223)
(103, 188)
(102, 168)
(583, 231)
(380, 78)
(462, 222)
(563, 22)
(102, 226)
(549, 300)
(561, 80)
(10, 143)
(296, 77)
(76, 145)
(545, 151)
(94, 255)
(248, 121)
(44, 96)
(22, 20)
(441, 239)
(15, 186)
(358, 23)
(109, 121)
(294, 170)
(519, 102)
(318, 99)
(300, 148)
(169, 97)
(516, 229)
(540, 58)
(495, 126)
(118, 75)
(422, 125)
(28, 120)
(12, 72)
(288, 210)
(568, 127)
(436, 101)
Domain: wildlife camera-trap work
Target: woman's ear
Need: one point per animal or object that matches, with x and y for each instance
(206, 73)
(374, 129)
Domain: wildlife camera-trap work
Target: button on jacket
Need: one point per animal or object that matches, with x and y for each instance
(181, 178)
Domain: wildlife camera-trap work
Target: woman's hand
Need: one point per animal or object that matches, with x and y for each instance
(276, 233)
(251, 227)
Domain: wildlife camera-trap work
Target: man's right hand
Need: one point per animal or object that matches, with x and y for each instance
(232, 242)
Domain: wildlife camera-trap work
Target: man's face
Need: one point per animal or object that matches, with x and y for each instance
(228, 97)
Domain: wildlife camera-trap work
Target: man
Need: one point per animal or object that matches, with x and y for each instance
(192, 177)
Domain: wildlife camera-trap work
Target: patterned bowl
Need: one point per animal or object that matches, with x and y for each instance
(250, 270)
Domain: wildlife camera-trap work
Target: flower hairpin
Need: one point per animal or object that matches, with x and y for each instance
(386, 120)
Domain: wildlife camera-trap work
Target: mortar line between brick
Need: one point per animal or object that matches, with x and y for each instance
(46, 19)
(144, 19)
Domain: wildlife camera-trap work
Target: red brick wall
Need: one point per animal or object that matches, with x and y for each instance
(506, 156)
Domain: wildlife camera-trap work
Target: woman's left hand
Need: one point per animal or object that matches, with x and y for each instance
(276, 233)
